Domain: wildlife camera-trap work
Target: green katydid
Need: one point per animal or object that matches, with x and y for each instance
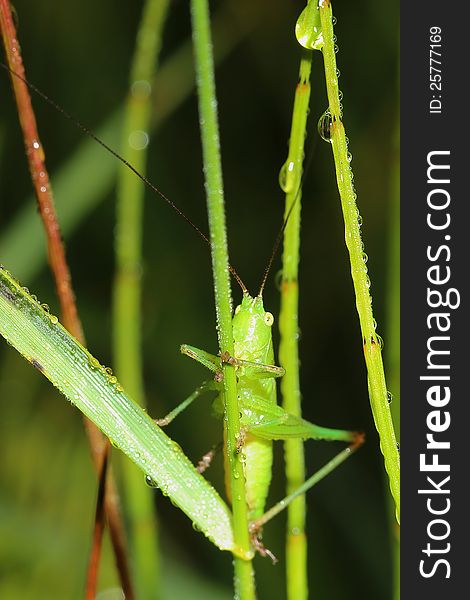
(262, 419)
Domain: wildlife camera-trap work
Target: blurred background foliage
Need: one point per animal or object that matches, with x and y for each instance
(79, 53)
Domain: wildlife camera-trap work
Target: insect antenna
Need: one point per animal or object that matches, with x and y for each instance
(87, 131)
(284, 223)
(238, 280)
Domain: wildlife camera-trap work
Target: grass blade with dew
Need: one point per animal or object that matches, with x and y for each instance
(392, 350)
(244, 576)
(333, 130)
(127, 294)
(94, 390)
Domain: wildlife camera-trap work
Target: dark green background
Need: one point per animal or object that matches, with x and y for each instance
(79, 53)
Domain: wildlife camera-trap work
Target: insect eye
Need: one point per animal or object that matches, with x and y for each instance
(268, 319)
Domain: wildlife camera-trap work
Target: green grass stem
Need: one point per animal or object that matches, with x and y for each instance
(352, 221)
(291, 181)
(244, 577)
(127, 324)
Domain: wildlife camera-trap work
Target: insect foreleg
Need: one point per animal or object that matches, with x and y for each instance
(207, 386)
(211, 361)
(254, 369)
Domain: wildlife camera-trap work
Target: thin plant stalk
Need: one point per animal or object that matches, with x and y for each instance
(244, 576)
(291, 180)
(100, 520)
(58, 264)
(371, 341)
(127, 325)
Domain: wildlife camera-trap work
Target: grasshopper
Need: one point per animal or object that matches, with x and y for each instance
(262, 419)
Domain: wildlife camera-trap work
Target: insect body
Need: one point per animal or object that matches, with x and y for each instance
(262, 420)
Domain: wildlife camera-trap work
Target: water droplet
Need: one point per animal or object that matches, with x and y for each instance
(389, 397)
(93, 362)
(286, 176)
(141, 89)
(365, 258)
(380, 341)
(236, 475)
(138, 140)
(324, 126)
(150, 482)
(45, 307)
(54, 320)
(308, 29)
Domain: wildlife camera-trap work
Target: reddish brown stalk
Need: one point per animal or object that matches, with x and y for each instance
(95, 553)
(58, 264)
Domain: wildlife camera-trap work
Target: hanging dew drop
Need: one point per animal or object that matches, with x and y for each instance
(389, 397)
(286, 176)
(138, 140)
(150, 482)
(308, 29)
(324, 126)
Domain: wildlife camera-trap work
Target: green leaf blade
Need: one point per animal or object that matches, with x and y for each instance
(92, 388)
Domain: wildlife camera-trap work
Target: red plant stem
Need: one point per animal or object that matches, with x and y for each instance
(94, 559)
(58, 264)
(40, 178)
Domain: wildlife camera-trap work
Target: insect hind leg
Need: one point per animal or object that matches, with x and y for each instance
(336, 461)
